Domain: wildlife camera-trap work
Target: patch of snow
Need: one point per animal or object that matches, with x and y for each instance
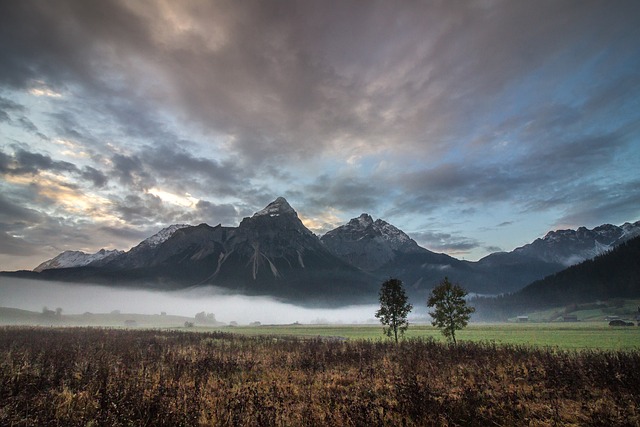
(276, 208)
(162, 235)
(70, 259)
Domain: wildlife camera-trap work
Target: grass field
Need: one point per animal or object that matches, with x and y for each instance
(579, 335)
(71, 376)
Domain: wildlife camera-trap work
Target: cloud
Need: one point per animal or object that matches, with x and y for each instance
(343, 192)
(208, 175)
(619, 203)
(98, 178)
(11, 212)
(130, 172)
(406, 109)
(445, 242)
(212, 213)
(24, 162)
(11, 245)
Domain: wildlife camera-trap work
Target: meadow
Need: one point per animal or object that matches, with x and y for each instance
(117, 377)
(566, 336)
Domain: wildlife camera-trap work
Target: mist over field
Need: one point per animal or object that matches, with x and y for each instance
(33, 295)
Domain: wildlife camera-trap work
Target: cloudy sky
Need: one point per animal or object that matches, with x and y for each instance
(474, 126)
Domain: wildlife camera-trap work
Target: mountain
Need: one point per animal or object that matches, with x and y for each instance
(369, 245)
(553, 253)
(273, 253)
(569, 247)
(614, 274)
(385, 251)
(142, 254)
(270, 253)
(69, 259)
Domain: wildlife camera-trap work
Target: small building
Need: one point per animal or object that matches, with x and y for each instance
(523, 319)
(570, 318)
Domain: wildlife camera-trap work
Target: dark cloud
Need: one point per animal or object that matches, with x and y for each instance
(618, 202)
(461, 105)
(126, 233)
(28, 125)
(12, 212)
(211, 176)
(129, 170)
(98, 178)
(445, 242)
(213, 214)
(6, 106)
(140, 210)
(11, 245)
(26, 162)
(344, 192)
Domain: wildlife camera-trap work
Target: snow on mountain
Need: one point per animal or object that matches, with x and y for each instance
(364, 225)
(69, 259)
(278, 207)
(569, 247)
(162, 235)
(369, 244)
(397, 238)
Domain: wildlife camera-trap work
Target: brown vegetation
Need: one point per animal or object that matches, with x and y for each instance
(89, 376)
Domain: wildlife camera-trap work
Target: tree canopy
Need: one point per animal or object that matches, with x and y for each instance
(451, 311)
(394, 308)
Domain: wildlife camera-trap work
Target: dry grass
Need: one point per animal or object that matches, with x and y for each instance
(96, 377)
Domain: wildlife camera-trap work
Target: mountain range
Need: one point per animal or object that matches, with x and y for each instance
(273, 253)
(614, 274)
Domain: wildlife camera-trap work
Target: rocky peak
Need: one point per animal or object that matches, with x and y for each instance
(361, 222)
(278, 207)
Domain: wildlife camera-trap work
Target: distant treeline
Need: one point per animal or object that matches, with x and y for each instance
(615, 274)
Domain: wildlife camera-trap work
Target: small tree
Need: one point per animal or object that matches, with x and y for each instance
(451, 311)
(394, 308)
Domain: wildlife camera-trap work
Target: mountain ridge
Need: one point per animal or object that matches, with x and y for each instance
(273, 253)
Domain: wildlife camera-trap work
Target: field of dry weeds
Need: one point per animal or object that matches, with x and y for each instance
(85, 376)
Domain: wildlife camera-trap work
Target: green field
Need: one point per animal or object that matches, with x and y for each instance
(585, 334)
(579, 335)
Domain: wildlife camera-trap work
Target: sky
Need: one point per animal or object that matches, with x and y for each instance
(474, 126)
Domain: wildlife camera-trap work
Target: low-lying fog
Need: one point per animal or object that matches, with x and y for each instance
(33, 295)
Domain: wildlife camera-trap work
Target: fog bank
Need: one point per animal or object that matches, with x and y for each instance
(33, 295)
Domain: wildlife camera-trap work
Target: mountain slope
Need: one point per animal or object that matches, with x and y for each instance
(615, 274)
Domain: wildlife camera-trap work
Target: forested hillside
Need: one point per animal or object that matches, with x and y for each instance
(615, 274)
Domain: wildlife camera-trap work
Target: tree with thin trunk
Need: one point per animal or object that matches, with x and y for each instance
(451, 310)
(394, 308)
